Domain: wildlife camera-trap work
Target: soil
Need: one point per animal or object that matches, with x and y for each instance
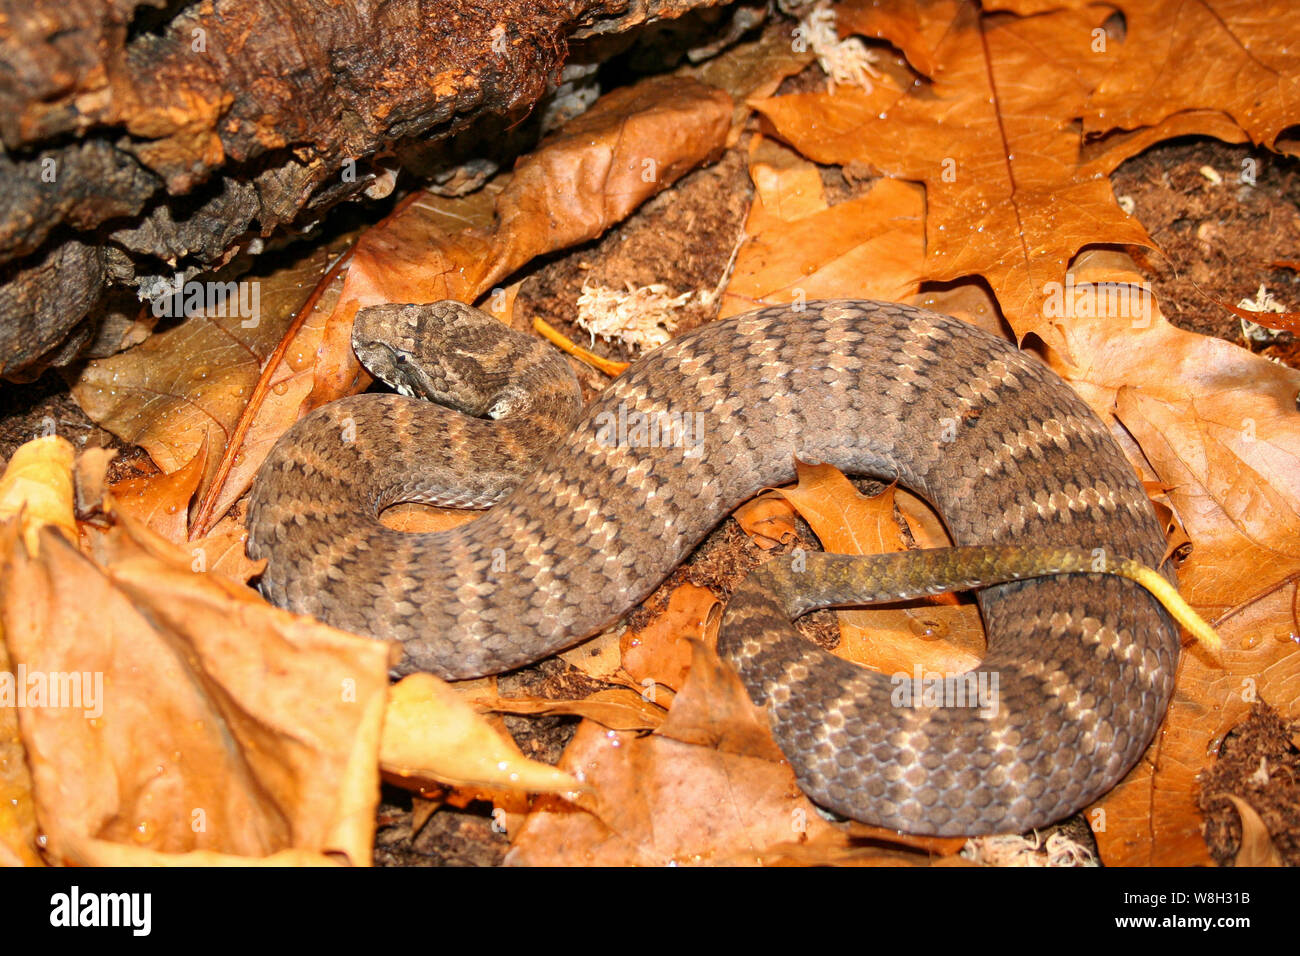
(1259, 762)
(1219, 242)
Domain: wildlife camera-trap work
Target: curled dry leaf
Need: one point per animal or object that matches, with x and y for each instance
(768, 520)
(168, 711)
(660, 653)
(37, 488)
(1257, 847)
(432, 733)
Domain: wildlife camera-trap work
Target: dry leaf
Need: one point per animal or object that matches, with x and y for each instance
(191, 383)
(618, 708)
(709, 786)
(18, 830)
(431, 733)
(1232, 56)
(768, 520)
(1257, 847)
(171, 711)
(801, 248)
(37, 488)
(660, 653)
(995, 139)
(162, 501)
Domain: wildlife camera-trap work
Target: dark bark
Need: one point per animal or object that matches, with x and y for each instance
(147, 138)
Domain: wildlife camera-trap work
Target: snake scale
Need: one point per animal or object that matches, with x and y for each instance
(593, 511)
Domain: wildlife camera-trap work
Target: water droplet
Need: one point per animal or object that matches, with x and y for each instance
(927, 630)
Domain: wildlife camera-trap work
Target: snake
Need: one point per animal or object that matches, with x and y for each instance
(590, 508)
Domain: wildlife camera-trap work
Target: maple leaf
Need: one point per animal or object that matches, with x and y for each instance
(1235, 56)
(1012, 190)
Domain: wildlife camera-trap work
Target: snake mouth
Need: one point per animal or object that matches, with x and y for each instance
(394, 368)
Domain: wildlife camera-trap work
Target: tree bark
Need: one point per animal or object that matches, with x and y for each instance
(142, 138)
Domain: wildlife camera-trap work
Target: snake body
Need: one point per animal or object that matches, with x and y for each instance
(602, 510)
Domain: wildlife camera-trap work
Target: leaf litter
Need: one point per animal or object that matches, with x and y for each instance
(990, 237)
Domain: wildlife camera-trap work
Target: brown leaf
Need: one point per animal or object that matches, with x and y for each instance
(995, 138)
(190, 384)
(1232, 56)
(599, 657)
(709, 786)
(222, 551)
(660, 653)
(939, 634)
(161, 502)
(18, 829)
(171, 711)
(618, 708)
(1257, 847)
(802, 248)
(768, 520)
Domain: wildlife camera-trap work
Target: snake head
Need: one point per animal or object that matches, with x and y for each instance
(448, 352)
(386, 340)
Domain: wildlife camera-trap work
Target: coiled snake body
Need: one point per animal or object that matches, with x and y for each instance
(602, 510)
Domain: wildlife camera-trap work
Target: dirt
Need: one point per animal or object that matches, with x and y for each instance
(1218, 241)
(683, 238)
(1259, 762)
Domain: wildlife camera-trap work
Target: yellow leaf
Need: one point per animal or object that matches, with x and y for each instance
(431, 733)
